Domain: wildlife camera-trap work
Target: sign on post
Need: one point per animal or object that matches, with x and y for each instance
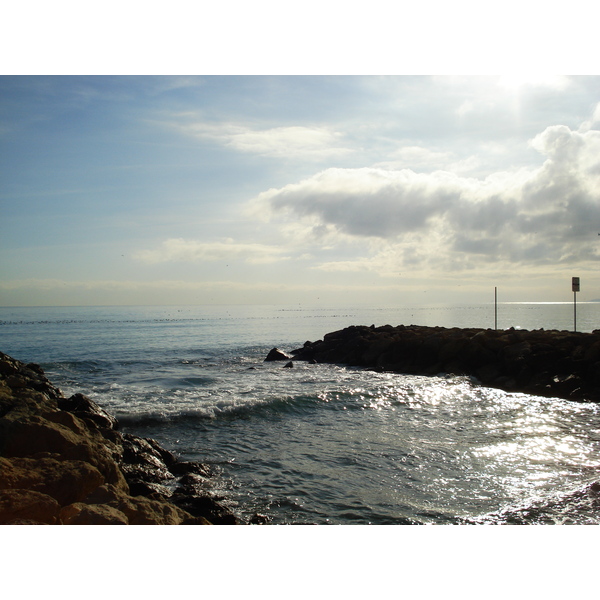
(575, 286)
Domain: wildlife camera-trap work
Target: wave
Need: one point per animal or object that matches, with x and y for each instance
(73, 366)
(224, 410)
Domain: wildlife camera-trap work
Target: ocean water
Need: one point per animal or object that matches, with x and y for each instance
(327, 444)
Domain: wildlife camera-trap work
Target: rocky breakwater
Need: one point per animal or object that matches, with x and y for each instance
(547, 363)
(63, 461)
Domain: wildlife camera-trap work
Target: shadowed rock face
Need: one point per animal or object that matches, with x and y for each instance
(62, 461)
(547, 363)
(277, 354)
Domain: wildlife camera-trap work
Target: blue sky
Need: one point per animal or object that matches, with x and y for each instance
(298, 189)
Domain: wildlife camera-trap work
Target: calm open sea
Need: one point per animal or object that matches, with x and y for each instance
(327, 444)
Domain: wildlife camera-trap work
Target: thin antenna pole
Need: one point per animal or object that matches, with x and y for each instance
(496, 308)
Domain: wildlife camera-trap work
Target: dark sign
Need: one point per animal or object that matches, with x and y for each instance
(575, 283)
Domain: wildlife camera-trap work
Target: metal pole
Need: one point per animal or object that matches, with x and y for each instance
(496, 308)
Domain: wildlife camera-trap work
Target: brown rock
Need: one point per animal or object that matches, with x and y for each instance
(71, 439)
(105, 494)
(17, 505)
(144, 511)
(66, 481)
(92, 514)
(138, 510)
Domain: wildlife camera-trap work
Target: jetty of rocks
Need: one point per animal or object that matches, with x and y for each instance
(541, 362)
(64, 461)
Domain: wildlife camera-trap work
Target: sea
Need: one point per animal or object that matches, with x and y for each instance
(328, 444)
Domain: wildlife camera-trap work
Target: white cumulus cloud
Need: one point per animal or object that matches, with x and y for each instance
(544, 215)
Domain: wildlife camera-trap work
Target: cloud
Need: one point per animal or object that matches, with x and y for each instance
(314, 143)
(371, 201)
(416, 157)
(595, 119)
(180, 250)
(545, 215)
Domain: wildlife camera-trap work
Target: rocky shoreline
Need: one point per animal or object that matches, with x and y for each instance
(64, 461)
(549, 363)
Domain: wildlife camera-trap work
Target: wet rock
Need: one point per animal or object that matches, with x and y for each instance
(192, 481)
(182, 467)
(142, 461)
(85, 408)
(206, 507)
(258, 519)
(155, 491)
(276, 354)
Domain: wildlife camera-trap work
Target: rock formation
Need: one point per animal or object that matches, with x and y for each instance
(277, 354)
(546, 363)
(63, 461)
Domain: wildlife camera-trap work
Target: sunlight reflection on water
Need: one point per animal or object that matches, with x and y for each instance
(323, 443)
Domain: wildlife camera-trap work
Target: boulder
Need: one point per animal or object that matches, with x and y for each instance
(30, 436)
(66, 481)
(276, 354)
(27, 506)
(92, 514)
(138, 510)
(207, 508)
(184, 467)
(146, 511)
(85, 408)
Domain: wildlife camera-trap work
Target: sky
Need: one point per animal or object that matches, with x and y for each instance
(298, 189)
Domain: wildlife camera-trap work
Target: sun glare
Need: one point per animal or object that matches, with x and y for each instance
(518, 81)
